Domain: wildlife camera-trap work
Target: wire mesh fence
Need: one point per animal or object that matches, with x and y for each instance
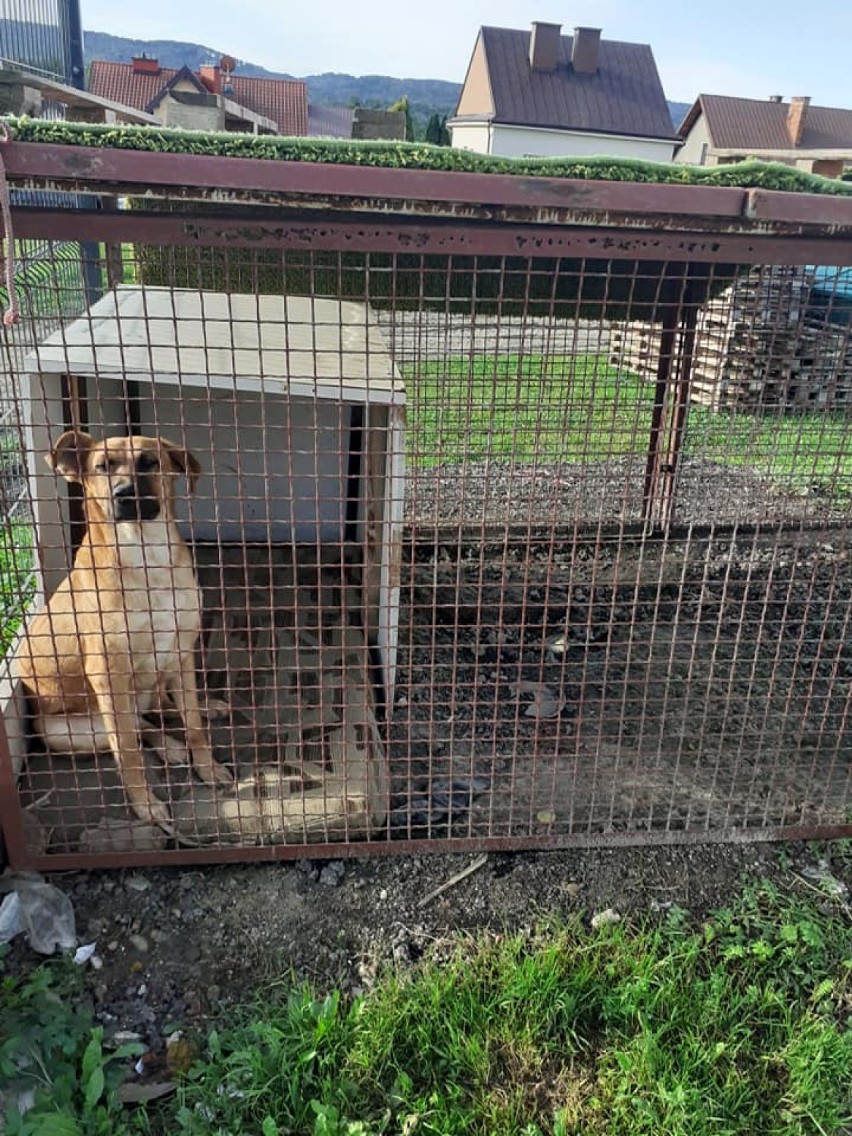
(494, 550)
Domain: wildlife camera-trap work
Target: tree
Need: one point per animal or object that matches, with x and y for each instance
(402, 104)
(436, 131)
(433, 130)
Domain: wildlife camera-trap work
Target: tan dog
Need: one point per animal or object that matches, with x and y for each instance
(118, 636)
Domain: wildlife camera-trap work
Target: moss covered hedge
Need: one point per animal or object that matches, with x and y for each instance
(421, 156)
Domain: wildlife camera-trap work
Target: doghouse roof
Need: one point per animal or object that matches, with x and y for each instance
(316, 347)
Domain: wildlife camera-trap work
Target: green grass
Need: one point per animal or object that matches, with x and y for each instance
(17, 586)
(736, 1026)
(579, 408)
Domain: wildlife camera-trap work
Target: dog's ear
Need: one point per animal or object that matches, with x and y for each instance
(69, 455)
(184, 461)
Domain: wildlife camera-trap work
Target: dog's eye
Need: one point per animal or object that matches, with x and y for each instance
(147, 462)
(105, 465)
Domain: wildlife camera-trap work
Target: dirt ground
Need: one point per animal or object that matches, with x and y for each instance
(542, 688)
(700, 684)
(178, 947)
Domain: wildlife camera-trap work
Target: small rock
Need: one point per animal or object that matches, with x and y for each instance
(112, 945)
(192, 951)
(401, 954)
(125, 1037)
(545, 817)
(139, 943)
(332, 874)
(605, 918)
(137, 883)
(571, 889)
(383, 894)
(142, 990)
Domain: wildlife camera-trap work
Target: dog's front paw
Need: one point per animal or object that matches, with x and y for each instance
(223, 775)
(215, 709)
(153, 811)
(210, 770)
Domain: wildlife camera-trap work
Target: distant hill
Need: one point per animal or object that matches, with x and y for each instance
(425, 96)
(678, 112)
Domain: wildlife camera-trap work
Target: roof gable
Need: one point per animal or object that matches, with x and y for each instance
(623, 96)
(183, 75)
(475, 96)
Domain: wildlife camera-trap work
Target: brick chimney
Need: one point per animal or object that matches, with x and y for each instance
(544, 46)
(796, 118)
(584, 51)
(775, 98)
(211, 77)
(142, 65)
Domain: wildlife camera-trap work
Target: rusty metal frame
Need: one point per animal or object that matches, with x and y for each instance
(291, 205)
(308, 230)
(429, 193)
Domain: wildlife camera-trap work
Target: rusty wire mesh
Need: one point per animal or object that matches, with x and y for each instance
(499, 551)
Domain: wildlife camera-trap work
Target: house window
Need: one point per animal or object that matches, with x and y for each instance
(704, 148)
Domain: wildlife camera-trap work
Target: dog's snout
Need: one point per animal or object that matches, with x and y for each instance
(136, 501)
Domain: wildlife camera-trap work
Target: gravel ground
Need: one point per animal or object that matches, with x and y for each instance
(708, 493)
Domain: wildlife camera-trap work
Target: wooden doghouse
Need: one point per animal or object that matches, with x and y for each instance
(296, 412)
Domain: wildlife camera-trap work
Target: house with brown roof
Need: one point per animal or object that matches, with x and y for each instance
(719, 129)
(539, 93)
(212, 98)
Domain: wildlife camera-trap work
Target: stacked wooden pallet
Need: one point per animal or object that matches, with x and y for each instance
(757, 346)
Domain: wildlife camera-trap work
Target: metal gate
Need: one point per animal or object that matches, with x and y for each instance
(522, 518)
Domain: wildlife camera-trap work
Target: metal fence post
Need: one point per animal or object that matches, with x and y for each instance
(76, 77)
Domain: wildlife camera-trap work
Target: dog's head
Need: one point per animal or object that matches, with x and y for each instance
(127, 478)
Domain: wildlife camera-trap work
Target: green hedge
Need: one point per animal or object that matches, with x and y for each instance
(417, 155)
(557, 287)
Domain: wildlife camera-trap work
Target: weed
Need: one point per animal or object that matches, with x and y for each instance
(52, 1058)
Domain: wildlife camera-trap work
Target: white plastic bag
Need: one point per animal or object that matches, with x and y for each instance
(39, 910)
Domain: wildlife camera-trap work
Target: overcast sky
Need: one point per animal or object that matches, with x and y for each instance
(754, 48)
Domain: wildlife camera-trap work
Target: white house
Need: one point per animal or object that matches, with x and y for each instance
(539, 93)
